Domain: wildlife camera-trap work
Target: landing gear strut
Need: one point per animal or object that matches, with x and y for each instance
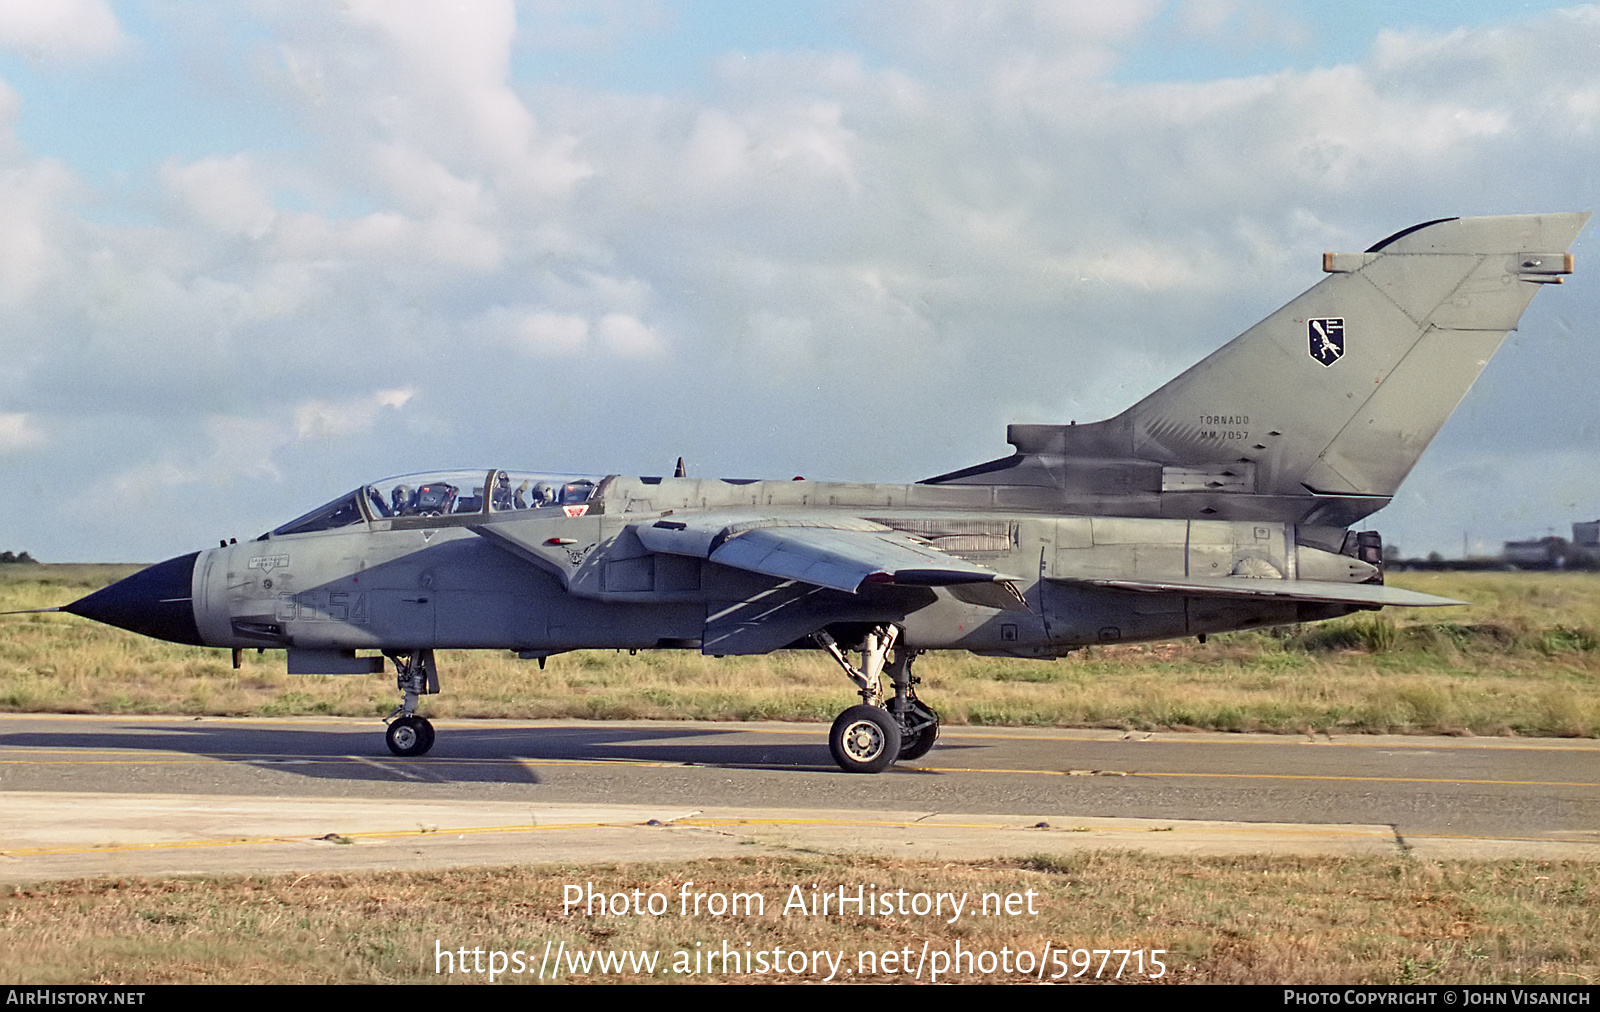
(881, 731)
(408, 734)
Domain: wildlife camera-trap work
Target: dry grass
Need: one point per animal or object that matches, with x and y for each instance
(1220, 920)
(1525, 660)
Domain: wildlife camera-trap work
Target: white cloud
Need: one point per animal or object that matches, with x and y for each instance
(766, 145)
(17, 432)
(1240, 23)
(441, 85)
(233, 448)
(780, 341)
(224, 193)
(628, 337)
(538, 331)
(33, 228)
(321, 419)
(1583, 105)
(65, 28)
(1162, 265)
(1017, 47)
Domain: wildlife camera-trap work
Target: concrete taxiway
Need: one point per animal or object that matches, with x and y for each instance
(165, 795)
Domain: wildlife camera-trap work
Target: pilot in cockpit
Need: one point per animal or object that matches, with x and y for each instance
(501, 497)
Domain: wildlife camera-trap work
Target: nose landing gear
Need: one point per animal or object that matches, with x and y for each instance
(408, 734)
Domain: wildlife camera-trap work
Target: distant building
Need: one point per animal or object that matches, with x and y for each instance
(1586, 535)
(1540, 552)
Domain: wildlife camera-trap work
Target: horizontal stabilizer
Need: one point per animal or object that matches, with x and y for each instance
(1327, 592)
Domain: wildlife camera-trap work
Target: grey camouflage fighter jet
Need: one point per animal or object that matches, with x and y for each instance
(1222, 501)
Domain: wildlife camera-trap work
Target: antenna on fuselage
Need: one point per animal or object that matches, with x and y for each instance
(677, 472)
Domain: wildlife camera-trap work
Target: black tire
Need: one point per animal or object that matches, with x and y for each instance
(865, 739)
(409, 736)
(919, 743)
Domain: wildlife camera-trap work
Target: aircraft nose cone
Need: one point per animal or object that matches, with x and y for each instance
(153, 602)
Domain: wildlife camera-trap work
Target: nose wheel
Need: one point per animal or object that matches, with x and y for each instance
(409, 736)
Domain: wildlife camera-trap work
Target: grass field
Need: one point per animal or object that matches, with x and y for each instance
(1523, 659)
(1218, 920)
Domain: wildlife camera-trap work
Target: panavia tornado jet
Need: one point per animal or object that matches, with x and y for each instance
(1222, 501)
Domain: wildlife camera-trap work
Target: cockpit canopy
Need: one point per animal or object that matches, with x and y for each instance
(446, 493)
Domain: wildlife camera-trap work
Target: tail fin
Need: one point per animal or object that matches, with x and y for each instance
(1341, 390)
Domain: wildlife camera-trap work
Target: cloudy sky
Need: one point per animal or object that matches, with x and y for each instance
(253, 254)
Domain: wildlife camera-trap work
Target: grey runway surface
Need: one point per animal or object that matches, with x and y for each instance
(1467, 796)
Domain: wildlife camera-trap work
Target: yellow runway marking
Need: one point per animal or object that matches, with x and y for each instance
(1380, 780)
(948, 732)
(1254, 776)
(1288, 739)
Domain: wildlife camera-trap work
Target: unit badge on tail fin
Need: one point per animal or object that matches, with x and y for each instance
(1326, 337)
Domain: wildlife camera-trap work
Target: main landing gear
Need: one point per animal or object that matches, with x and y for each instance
(408, 734)
(871, 737)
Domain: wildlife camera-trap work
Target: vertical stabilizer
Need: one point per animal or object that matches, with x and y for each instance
(1341, 390)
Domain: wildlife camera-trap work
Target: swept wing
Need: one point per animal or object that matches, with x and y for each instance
(841, 553)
